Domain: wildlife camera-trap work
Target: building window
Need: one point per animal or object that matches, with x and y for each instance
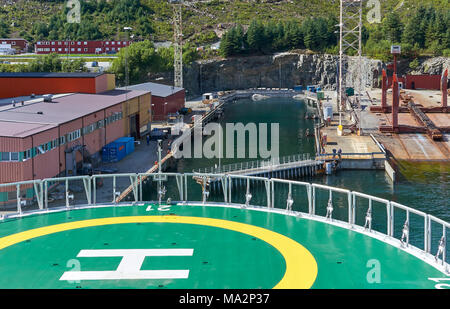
(59, 49)
(53, 43)
(14, 156)
(26, 155)
(53, 49)
(85, 43)
(78, 43)
(85, 49)
(13, 43)
(72, 49)
(113, 43)
(107, 43)
(5, 156)
(79, 49)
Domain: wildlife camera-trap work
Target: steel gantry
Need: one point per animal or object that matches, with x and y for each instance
(350, 39)
(178, 42)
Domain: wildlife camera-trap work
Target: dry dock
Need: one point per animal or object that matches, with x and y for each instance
(414, 146)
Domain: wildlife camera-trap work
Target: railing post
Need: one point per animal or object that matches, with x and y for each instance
(185, 188)
(309, 192)
(19, 207)
(140, 188)
(390, 218)
(272, 193)
(313, 208)
(351, 208)
(428, 234)
(94, 197)
(46, 194)
(425, 236)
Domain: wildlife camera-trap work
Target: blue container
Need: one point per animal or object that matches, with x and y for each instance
(129, 144)
(114, 152)
(298, 88)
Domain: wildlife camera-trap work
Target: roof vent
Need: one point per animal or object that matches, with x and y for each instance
(48, 97)
(40, 113)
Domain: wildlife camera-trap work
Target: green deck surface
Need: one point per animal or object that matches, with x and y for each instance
(222, 258)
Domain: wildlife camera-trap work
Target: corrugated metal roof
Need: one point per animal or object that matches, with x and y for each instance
(157, 90)
(50, 75)
(63, 109)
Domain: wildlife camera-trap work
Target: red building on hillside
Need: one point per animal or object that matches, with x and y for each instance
(20, 45)
(80, 47)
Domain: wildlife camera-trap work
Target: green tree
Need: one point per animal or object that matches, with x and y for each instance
(141, 58)
(45, 63)
(279, 43)
(310, 34)
(255, 36)
(392, 27)
(293, 34)
(4, 29)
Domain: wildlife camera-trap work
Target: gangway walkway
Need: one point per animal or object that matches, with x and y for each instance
(292, 166)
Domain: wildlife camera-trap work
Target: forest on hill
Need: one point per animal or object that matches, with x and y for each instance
(204, 21)
(244, 27)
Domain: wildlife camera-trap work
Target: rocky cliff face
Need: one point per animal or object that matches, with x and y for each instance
(432, 66)
(283, 70)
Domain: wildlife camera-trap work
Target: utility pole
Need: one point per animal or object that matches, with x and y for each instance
(128, 30)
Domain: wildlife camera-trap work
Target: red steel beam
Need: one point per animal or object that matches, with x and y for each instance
(384, 91)
(444, 82)
(395, 103)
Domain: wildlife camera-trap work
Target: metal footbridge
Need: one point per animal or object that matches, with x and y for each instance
(283, 167)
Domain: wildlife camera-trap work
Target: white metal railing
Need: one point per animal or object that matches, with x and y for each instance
(91, 194)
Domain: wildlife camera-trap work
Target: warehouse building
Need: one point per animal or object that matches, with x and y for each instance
(47, 139)
(24, 84)
(165, 99)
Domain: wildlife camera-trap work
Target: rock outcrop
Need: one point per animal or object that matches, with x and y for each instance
(432, 66)
(283, 70)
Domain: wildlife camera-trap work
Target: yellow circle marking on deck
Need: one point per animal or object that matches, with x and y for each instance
(301, 267)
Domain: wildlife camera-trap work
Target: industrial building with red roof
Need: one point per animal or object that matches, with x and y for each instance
(47, 138)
